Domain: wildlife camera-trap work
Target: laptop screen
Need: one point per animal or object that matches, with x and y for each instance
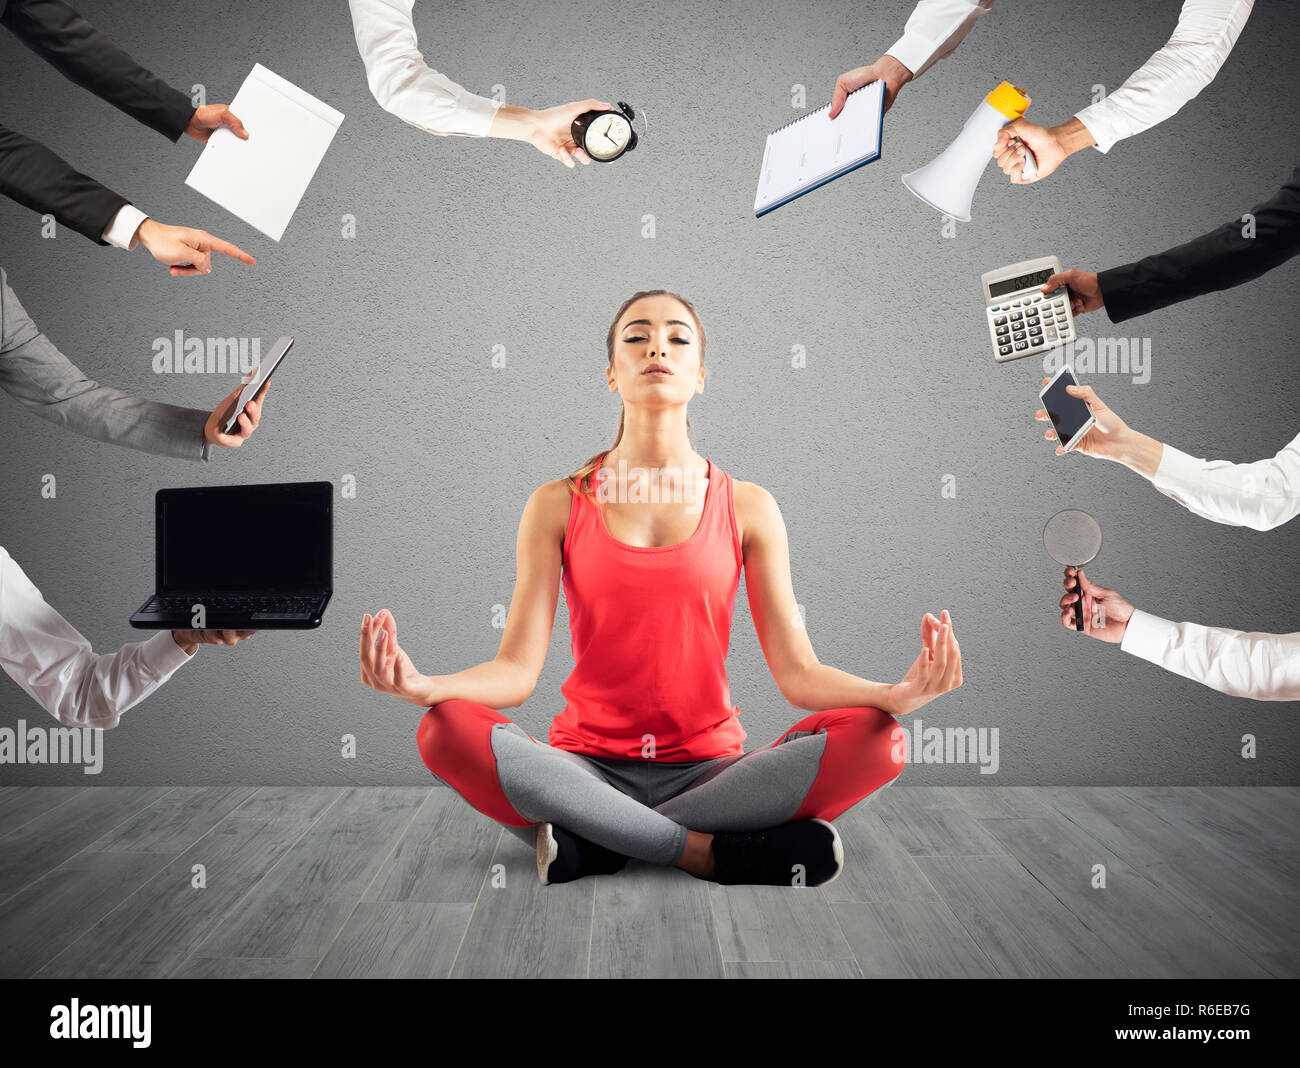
(245, 539)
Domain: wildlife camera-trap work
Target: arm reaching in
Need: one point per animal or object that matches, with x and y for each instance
(406, 86)
(50, 659)
(1263, 667)
(1260, 495)
(804, 681)
(1198, 47)
(934, 29)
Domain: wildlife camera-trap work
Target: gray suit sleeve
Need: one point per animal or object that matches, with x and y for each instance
(40, 378)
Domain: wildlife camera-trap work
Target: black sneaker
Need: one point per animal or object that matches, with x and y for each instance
(772, 857)
(563, 856)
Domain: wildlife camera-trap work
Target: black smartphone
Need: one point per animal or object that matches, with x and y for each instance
(264, 371)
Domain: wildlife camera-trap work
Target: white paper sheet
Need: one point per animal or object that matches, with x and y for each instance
(263, 179)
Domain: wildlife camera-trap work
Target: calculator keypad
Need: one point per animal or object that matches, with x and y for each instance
(1031, 323)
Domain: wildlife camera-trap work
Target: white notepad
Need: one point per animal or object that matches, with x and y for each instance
(815, 149)
(263, 179)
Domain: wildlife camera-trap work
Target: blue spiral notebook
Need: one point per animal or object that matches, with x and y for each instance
(815, 149)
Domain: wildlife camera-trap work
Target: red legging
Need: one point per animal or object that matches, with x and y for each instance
(823, 765)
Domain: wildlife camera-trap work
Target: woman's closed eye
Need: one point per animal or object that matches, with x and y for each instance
(641, 337)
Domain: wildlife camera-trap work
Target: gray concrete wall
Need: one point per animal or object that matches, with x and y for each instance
(463, 245)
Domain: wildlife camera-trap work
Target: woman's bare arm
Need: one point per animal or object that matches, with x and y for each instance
(507, 679)
(804, 681)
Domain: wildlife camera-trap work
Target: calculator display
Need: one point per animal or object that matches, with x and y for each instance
(1014, 285)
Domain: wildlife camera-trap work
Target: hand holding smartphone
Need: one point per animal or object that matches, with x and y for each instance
(261, 374)
(1071, 416)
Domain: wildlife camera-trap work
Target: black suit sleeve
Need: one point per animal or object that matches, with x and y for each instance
(1221, 259)
(38, 179)
(41, 180)
(56, 33)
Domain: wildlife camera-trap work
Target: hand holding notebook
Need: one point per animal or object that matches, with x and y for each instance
(815, 149)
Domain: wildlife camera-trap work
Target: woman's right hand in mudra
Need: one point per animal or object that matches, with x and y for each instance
(384, 666)
(936, 671)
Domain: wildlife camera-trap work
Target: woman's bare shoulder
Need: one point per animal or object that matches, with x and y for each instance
(752, 497)
(548, 507)
(756, 510)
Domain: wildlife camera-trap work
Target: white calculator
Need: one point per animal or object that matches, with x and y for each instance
(1023, 321)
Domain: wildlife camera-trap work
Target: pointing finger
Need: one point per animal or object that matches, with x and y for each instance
(215, 244)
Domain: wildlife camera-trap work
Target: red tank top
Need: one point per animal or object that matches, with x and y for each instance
(650, 629)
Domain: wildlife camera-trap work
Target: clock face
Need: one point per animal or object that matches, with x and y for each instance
(607, 136)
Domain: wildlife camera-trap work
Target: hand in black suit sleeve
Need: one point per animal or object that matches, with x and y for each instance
(38, 179)
(56, 33)
(1221, 259)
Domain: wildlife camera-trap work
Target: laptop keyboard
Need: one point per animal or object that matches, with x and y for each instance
(286, 606)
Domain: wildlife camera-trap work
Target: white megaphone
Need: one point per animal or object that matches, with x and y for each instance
(948, 181)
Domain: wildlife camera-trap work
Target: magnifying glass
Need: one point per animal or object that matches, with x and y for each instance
(1073, 539)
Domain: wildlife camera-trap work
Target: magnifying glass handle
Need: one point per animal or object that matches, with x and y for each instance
(1078, 605)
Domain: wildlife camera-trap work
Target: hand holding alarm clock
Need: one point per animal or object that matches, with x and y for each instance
(606, 135)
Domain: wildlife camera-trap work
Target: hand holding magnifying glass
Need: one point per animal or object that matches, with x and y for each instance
(1073, 538)
(1105, 613)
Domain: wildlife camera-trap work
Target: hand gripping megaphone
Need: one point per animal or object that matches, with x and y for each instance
(948, 181)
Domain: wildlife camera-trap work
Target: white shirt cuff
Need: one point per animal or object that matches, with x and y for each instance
(120, 233)
(1102, 130)
(1176, 469)
(913, 51)
(1148, 636)
(476, 114)
(162, 656)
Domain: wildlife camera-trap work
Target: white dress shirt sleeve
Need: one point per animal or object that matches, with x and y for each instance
(120, 232)
(403, 83)
(1205, 34)
(935, 29)
(54, 663)
(1265, 667)
(1260, 495)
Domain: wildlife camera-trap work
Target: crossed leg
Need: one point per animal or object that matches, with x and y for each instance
(509, 776)
(823, 765)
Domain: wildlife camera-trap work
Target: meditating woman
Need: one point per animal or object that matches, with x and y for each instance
(646, 760)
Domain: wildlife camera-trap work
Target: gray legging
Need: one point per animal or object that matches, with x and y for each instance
(642, 808)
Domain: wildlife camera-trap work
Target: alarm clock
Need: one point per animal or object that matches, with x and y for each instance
(605, 135)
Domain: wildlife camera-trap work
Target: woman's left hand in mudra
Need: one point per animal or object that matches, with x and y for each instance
(936, 671)
(384, 666)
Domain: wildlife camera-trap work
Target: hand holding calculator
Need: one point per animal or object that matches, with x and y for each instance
(1024, 321)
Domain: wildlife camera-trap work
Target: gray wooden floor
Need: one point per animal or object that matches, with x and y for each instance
(411, 882)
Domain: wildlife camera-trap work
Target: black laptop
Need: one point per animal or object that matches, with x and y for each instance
(254, 557)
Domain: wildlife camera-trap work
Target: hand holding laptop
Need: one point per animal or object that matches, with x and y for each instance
(190, 640)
